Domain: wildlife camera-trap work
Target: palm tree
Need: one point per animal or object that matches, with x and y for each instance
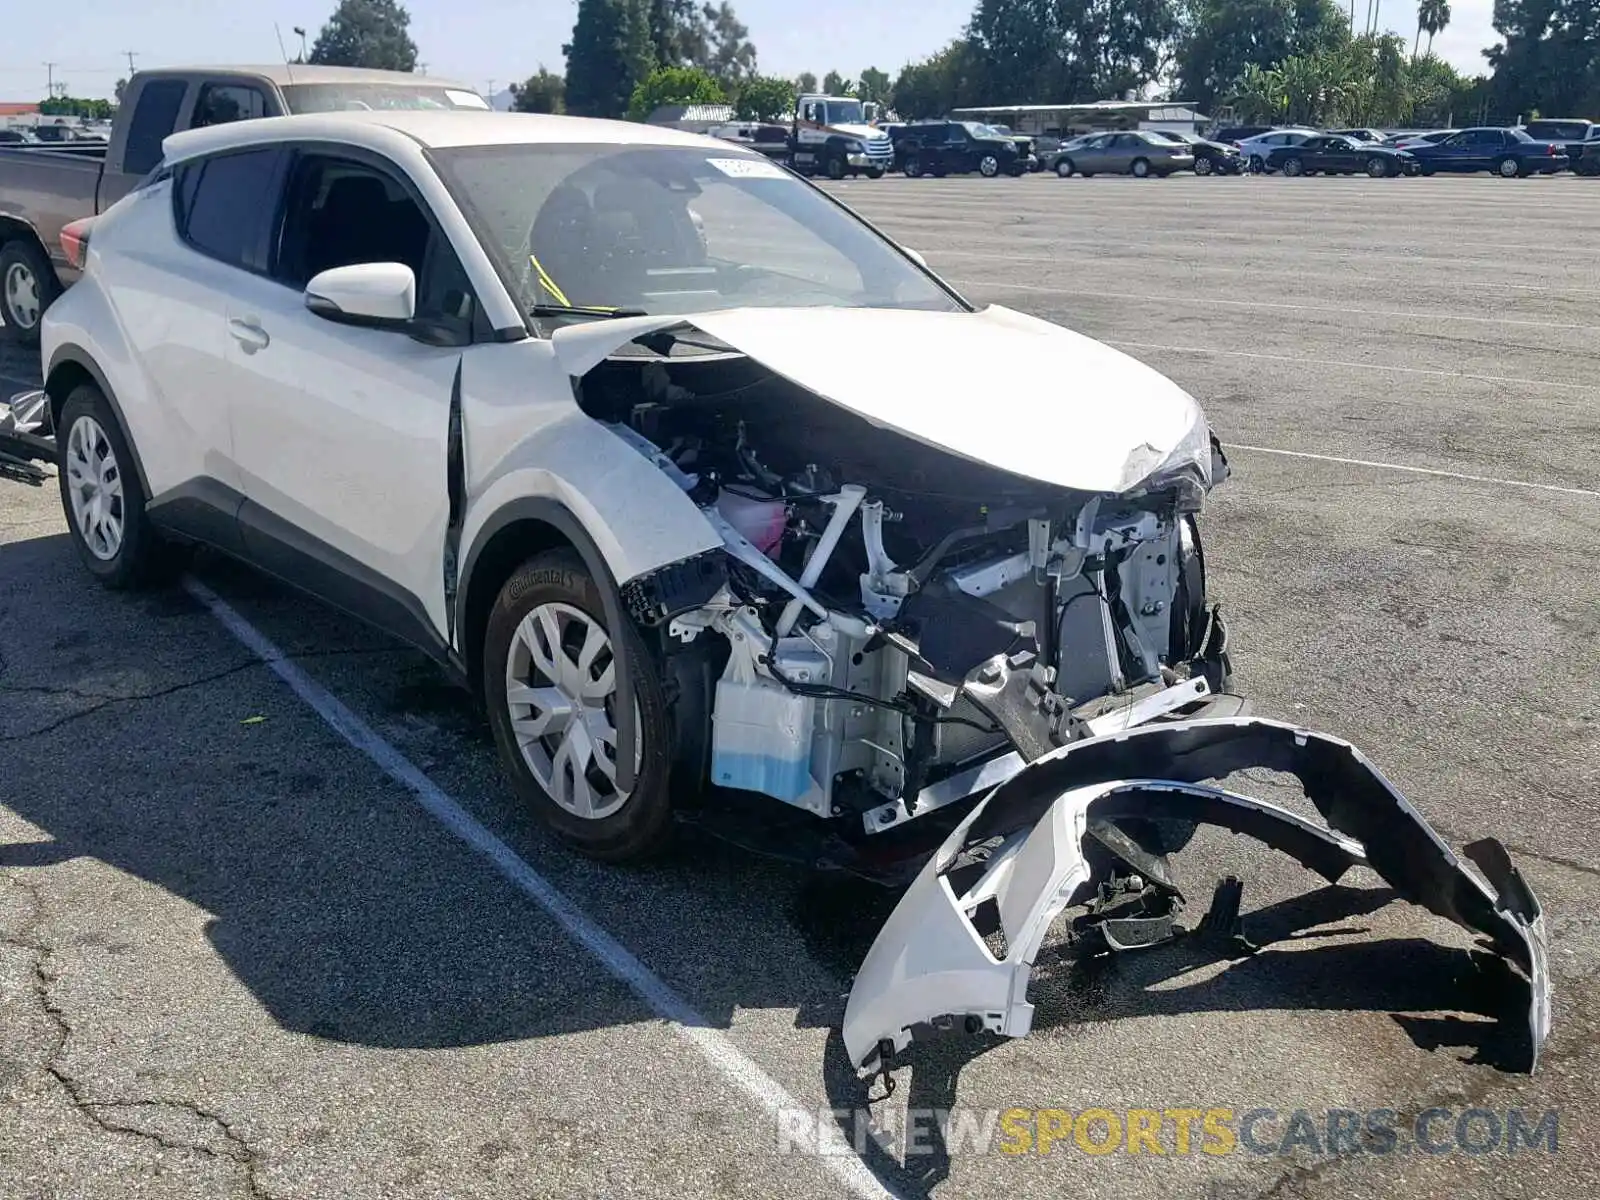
(1432, 17)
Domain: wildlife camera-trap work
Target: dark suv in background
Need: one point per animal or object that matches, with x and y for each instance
(941, 148)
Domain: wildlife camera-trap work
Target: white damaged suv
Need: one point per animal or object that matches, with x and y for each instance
(718, 498)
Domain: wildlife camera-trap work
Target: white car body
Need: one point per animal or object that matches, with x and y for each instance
(1256, 149)
(686, 555)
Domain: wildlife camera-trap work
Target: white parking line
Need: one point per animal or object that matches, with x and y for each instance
(713, 1045)
(1365, 366)
(1387, 466)
(1210, 301)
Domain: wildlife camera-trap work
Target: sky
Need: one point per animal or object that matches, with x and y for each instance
(480, 42)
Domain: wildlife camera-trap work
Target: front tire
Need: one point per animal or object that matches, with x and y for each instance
(550, 691)
(988, 166)
(874, 172)
(1378, 168)
(1293, 167)
(28, 286)
(103, 500)
(1202, 166)
(1064, 168)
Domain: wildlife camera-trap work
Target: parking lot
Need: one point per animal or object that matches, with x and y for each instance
(277, 931)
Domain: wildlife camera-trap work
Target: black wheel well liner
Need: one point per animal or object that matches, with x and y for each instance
(517, 530)
(14, 229)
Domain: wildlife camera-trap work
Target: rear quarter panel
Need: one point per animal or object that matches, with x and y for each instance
(136, 320)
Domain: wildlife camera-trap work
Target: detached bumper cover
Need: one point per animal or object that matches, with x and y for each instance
(930, 962)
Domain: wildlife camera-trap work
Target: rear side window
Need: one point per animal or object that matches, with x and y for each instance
(221, 103)
(224, 205)
(154, 117)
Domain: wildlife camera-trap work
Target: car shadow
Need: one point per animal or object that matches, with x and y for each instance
(347, 917)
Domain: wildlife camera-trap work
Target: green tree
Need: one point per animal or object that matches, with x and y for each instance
(807, 82)
(122, 86)
(1549, 59)
(946, 80)
(367, 33)
(673, 85)
(732, 53)
(835, 84)
(764, 98)
(545, 92)
(611, 52)
(1219, 39)
(874, 85)
(75, 106)
(1065, 50)
(1432, 17)
(679, 34)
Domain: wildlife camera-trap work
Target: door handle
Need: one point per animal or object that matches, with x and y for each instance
(248, 334)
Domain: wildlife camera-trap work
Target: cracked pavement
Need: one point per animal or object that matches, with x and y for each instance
(237, 960)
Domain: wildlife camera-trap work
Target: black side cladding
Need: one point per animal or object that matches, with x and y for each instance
(455, 485)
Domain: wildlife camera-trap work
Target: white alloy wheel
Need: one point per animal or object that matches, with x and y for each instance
(22, 296)
(561, 690)
(989, 166)
(94, 481)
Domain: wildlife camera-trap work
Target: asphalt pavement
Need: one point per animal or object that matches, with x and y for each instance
(245, 952)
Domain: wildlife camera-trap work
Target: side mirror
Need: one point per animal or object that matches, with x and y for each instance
(377, 295)
(915, 257)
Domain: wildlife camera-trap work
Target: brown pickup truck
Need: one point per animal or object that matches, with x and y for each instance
(43, 188)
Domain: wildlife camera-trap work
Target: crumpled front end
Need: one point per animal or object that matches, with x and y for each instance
(961, 945)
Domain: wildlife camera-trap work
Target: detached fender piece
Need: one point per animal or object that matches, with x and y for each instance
(930, 962)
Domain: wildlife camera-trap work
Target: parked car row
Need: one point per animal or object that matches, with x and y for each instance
(1511, 152)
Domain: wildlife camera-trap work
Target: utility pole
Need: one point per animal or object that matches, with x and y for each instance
(131, 68)
(301, 30)
(489, 95)
(50, 87)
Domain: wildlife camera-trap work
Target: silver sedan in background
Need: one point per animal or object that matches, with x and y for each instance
(1131, 153)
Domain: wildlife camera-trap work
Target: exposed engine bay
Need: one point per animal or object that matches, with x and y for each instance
(896, 628)
(904, 626)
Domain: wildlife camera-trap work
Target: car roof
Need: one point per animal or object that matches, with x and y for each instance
(432, 129)
(285, 74)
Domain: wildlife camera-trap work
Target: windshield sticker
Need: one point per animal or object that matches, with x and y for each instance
(466, 99)
(748, 168)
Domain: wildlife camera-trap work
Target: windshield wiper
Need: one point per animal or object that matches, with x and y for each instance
(579, 310)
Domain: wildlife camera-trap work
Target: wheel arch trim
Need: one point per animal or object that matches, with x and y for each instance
(64, 374)
(472, 598)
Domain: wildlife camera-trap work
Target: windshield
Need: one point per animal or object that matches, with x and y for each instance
(673, 229)
(338, 97)
(845, 112)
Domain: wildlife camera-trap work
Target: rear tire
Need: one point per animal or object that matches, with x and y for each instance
(1509, 168)
(1140, 168)
(553, 591)
(913, 167)
(28, 286)
(836, 167)
(874, 172)
(104, 502)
